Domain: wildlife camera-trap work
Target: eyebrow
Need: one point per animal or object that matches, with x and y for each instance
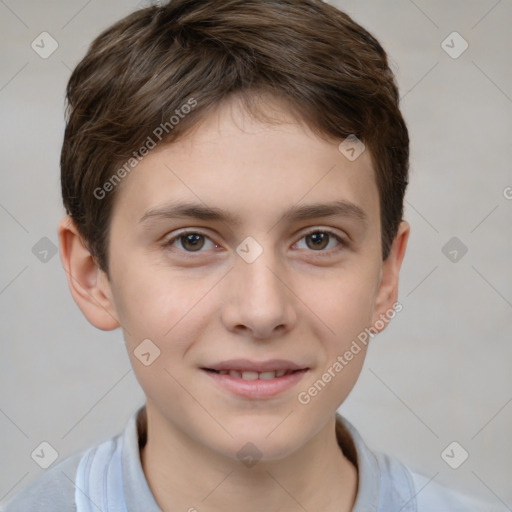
(296, 212)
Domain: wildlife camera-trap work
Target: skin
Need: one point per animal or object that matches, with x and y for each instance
(291, 303)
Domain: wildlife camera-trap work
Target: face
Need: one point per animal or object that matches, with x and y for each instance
(247, 269)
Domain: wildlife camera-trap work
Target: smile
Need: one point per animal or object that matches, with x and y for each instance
(250, 375)
(255, 385)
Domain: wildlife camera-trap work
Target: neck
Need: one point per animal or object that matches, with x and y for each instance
(187, 476)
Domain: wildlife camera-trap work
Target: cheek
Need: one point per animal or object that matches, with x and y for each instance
(145, 301)
(342, 302)
(170, 308)
(160, 324)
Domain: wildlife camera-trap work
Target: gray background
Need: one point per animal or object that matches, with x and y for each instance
(439, 373)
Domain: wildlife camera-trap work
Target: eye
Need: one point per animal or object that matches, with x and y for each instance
(193, 241)
(190, 241)
(319, 239)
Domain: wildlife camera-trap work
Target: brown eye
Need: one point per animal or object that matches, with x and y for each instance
(193, 242)
(188, 242)
(318, 240)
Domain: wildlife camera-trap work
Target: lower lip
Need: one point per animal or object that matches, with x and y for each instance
(257, 388)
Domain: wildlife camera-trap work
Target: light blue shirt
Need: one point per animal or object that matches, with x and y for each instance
(109, 477)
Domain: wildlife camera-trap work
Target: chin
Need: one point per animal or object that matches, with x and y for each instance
(262, 440)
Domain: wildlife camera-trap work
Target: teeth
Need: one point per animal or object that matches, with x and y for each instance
(249, 375)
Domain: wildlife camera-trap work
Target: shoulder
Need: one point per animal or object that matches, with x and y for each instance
(431, 495)
(421, 493)
(386, 483)
(53, 491)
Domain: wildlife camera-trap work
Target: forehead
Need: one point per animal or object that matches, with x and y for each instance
(249, 170)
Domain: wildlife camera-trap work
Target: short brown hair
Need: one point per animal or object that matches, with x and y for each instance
(144, 69)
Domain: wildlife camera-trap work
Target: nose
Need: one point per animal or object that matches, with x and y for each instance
(259, 301)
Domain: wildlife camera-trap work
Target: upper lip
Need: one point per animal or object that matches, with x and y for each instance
(255, 366)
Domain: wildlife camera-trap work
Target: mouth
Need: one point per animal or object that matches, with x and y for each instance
(253, 375)
(253, 380)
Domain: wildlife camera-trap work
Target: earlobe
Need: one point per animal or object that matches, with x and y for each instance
(387, 293)
(88, 284)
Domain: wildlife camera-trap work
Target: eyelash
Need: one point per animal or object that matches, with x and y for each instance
(322, 253)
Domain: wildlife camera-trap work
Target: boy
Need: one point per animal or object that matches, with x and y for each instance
(267, 135)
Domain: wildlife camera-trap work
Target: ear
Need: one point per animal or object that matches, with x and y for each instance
(88, 284)
(387, 292)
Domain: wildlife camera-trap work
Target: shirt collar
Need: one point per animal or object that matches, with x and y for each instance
(368, 472)
(139, 497)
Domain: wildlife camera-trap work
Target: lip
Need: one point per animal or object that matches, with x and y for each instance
(256, 389)
(255, 366)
